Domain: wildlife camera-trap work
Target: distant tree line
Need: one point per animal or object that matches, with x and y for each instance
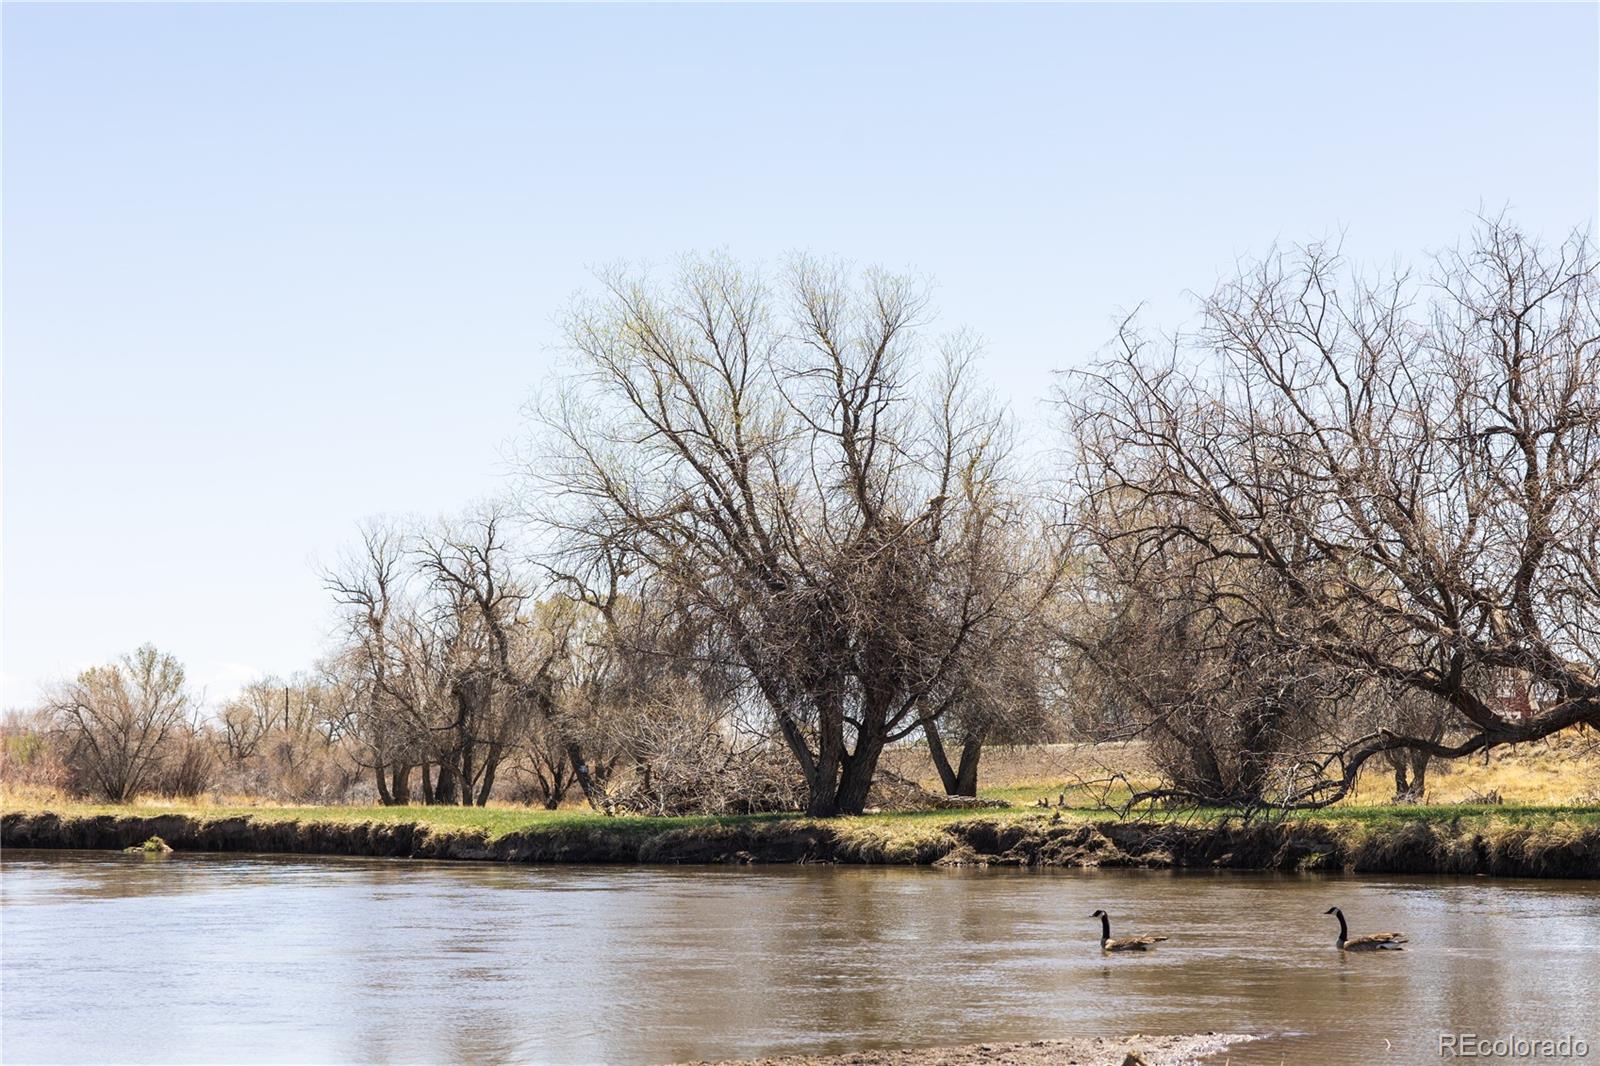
(768, 528)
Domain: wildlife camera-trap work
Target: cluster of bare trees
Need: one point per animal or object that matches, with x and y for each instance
(461, 665)
(134, 726)
(451, 661)
(770, 526)
(1371, 504)
(283, 739)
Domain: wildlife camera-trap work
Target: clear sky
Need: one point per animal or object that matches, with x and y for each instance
(273, 269)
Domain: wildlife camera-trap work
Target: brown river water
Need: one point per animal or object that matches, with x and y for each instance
(112, 958)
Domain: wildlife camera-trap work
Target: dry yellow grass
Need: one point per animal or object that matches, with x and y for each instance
(1554, 771)
(1557, 771)
(1023, 773)
(31, 796)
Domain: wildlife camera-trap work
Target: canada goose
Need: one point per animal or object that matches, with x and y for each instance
(1370, 942)
(1127, 943)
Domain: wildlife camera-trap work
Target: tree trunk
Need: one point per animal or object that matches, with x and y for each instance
(948, 775)
(427, 784)
(444, 789)
(844, 790)
(1419, 772)
(1417, 764)
(465, 798)
(554, 786)
(1255, 751)
(822, 797)
(962, 778)
(856, 780)
(400, 785)
(967, 774)
(580, 770)
(1208, 779)
(383, 787)
(491, 763)
(823, 782)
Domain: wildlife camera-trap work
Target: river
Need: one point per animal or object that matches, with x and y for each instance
(195, 958)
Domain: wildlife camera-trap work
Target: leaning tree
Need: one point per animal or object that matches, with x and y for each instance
(780, 464)
(1413, 468)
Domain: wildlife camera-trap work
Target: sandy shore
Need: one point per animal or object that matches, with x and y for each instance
(1094, 1051)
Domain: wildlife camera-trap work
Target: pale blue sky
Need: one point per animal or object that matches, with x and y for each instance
(272, 269)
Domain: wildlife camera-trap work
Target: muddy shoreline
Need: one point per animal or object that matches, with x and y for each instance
(1408, 847)
(1089, 1051)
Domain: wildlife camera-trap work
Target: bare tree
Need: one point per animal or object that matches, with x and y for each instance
(776, 465)
(283, 737)
(1160, 658)
(450, 661)
(385, 707)
(1416, 469)
(120, 719)
(474, 602)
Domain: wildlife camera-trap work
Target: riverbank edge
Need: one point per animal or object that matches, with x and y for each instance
(1550, 850)
(1087, 1051)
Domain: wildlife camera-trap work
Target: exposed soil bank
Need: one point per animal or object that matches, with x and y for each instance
(1152, 1050)
(1498, 849)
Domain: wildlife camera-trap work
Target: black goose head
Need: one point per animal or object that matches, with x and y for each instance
(1344, 930)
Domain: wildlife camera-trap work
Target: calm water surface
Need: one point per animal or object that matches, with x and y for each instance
(107, 958)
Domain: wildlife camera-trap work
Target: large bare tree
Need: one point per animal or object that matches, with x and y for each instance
(1393, 476)
(776, 461)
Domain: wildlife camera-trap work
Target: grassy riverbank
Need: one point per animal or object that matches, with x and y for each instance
(1548, 826)
(497, 821)
(1549, 841)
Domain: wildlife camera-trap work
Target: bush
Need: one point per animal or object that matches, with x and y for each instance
(290, 768)
(31, 756)
(189, 764)
(687, 759)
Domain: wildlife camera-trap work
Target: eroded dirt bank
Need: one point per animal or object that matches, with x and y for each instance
(1151, 1050)
(1504, 850)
